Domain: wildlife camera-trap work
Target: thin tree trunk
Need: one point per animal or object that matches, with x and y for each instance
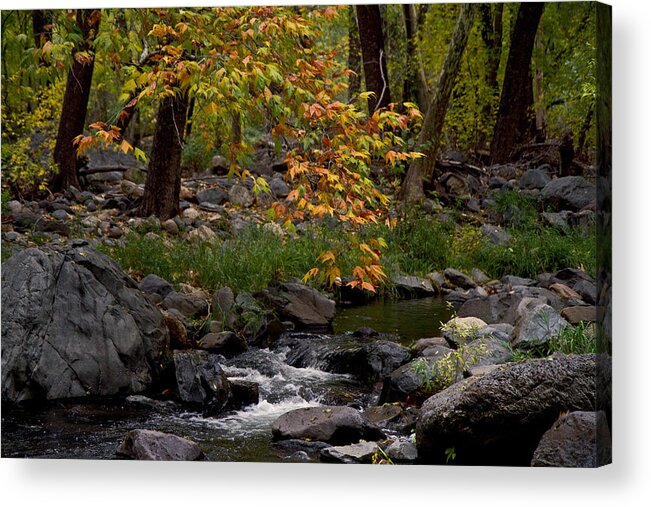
(430, 134)
(369, 22)
(585, 128)
(188, 121)
(354, 56)
(42, 26)
(75, 102)
(491, 33)
(541, 113)
(163, 184)
(236, 128)
(415, 84)
(513, 117)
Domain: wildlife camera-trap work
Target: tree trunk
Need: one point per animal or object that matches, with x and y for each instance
(415, 85)
(163, 184)
(429, 137)
(513, 117)
(491, 34)
(75, 102)
(354, 56)
(369, 22)
(42, 25)
(541, 112)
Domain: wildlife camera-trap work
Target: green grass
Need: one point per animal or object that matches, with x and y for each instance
(571, 340)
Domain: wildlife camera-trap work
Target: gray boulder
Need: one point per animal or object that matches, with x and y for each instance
(576, 440)
(413, 286)
(157, 446)
(240, 196)
(569, 192)
(73, 325)
(334, 424)
(212, 196)
(459, 279)
(534, 179)
(499, 418)
(303, 305)
(402, 451)
(153, 284)
(278, 187)
(538, 327)
(224, 342)
(495, 234)
(362, 452)
(200, 380)
(192, 304)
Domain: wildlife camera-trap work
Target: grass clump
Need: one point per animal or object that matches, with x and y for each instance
(578, 339)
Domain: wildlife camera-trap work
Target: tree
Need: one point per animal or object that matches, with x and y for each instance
(514, 114)
(354, 56)
(429, 137)
(75, 100)
(163, 183)
(369, 22)
(415, 86)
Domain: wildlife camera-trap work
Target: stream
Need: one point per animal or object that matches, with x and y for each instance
(93, 431)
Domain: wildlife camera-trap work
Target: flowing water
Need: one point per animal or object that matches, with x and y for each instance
(72, 430)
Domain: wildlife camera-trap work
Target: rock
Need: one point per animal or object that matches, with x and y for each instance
(279, 188)
(569, 192)
(515, 281)
(424, 343)
(559, 219)
(534, 179)
(153, 284)
(73, 325)
(226, 343)
(191, 214)
(178, 333)
(60, 215)
(437, 280)
(212, 196)
(170, 227)
(14, 207)
(538, 327)
(479, 276)
(383, 415)
(220, 165)
(484, 351)
(201, 234)
(459, 330)
(240, 196)
(25, 221)
(499, 418)
(11, 236)
(275, 229)
(114, 232)
(564, 291)
(334, 424)
(301, 304)
(140, 401)
(402, 451)
(189, 305)
(495, 234)
(353, 453)
(157, 446)
(459, 279)
(201, 381)
(501, 307)
(576, 440)
(413, 286)
(131, 190)
(244, 393)
(222, 304)
(576, 314)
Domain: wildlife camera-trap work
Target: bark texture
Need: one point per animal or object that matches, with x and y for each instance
(369, 22)
(430, 134)
(163, 184)
(354, 55)
(514, 114)
(75, 101)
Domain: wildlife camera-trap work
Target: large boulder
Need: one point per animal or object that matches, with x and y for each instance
(74, 324)
(413, 286)
(334, 424)
(534, 179)
(538, 326)
(303, 305)
(157, 446)
(201, 381)
(499, 418)
(569, 192)
(576, 440)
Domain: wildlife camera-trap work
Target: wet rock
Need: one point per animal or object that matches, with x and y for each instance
(413, 286)
(459, 279)
(495, 234)
(243, 394)
(538, 326)
(226, 343)
(362, 452)
(240, 196)
(301, 304)
(200, 380)
(499, 418)
(74, 324)
(334, 424)
(576, 440)
(569, 192)
(157, 446)
(402, 451)
(212, 196)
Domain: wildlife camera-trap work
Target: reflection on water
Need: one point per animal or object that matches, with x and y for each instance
(410, 319)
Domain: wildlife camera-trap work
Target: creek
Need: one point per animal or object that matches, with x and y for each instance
(67, 429)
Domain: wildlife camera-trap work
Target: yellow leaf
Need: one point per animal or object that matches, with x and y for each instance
(125, 146)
